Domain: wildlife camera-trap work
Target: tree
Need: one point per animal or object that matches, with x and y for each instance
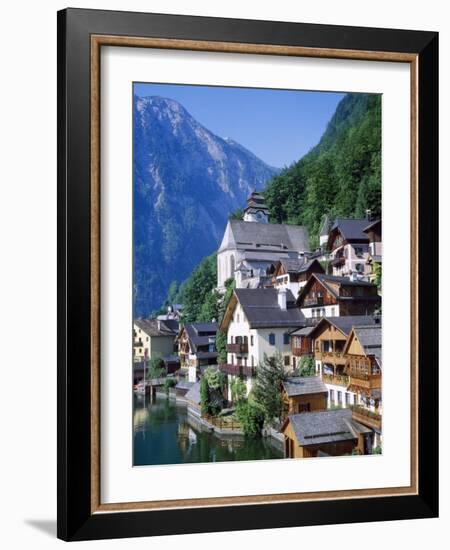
(156, 367)
(306, 366)
(267, 389)
(250, 416)
(221, 346)
(238, 390)
(212, 386)
(204, 396)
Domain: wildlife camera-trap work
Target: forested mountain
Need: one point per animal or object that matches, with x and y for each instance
(187, 181)
(341, 176)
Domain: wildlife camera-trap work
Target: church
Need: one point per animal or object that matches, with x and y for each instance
(250, 246)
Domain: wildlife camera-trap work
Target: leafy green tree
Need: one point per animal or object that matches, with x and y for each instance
(267, 388)
(156, 367)
(238, 390)
(204, 396)
(221, 346)
(377, 272)
(238, 214)
(306, 366)
(212, 387)
(169, 383)
(250, 416)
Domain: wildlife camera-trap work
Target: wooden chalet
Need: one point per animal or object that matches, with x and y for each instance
(363, 369)
(331, 296)
(293, 273)
(324, 433)
(330, 337)
(373, 232)
(301, 344)
(348, 246)
(303, 394)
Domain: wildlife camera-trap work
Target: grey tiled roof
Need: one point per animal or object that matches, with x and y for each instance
(193, 330)
(352, 230)
(304, 331)
(156, 327)
(297, 265)
(323, 427)
(345, 323)
(194, 393)
(304, 385)
(261, 308)
(370, 339)
(371, 224)
(291, 237)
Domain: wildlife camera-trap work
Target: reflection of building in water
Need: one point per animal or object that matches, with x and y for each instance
(186, 436)
(140, 419)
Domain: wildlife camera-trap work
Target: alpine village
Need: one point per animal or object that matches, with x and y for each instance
(292, 349)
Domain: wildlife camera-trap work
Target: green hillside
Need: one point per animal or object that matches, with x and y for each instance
(341, 176)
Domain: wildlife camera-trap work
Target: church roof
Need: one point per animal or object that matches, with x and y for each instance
(265, 236)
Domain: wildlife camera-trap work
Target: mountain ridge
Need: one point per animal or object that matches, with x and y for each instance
(186, 182)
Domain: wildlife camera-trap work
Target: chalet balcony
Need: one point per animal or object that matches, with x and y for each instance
(365, 381)
(336, 380)
(366, 417)
(337, 262)
(237, 370)
(237, 348)
(138, 344)
(300, 352)
(317, 301)
(333, 357)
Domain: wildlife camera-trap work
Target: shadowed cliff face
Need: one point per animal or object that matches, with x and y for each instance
(186, 182)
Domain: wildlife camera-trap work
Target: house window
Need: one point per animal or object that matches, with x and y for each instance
(339, 398)
(333, 312)
(358, 251)
(347, 399)
(253, 361)
(359, 268)
(272, 339)
(286, 339)
(304, 407)
(237, 317)
(251, 339)
(286, 361)
(148, 338)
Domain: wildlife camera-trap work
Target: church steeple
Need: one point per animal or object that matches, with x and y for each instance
(256, 210)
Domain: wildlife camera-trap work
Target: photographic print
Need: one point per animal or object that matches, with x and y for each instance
(257, 258)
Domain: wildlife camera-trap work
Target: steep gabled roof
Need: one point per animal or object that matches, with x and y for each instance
(370, 339)
(157, 327)
(323, 427)
(298, 265)
(199, 334)
(244, 235)
(345, 323)
(351, 229)
(304, 385)
(261, 308)
(328, 280)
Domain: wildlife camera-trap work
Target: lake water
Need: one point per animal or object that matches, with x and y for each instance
(163, 435)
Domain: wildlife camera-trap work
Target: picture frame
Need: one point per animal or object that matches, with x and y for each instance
(81, 35)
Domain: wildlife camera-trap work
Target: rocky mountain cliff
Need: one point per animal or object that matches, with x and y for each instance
(187, 181)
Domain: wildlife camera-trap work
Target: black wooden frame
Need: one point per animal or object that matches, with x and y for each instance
(75, 521)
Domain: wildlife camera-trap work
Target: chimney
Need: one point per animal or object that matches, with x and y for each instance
(368, 214)
(282, 300)
(353, 276)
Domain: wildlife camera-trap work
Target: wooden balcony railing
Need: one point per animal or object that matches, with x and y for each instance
(237, 370)
(335, 357)
(366, 381)
(299, 352)
(317, 301)
(366, 417)
(237, 348)
(338, 380)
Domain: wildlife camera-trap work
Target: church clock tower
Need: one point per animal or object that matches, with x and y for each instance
(256, 210)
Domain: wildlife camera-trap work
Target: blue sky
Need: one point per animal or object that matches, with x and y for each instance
(279, 126)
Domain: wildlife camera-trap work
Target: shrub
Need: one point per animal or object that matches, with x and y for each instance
(251, 417)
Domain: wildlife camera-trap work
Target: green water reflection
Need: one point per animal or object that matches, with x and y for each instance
(163, 435)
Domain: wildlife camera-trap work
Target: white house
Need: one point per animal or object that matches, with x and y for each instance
(250, 246)
(257, 322)
(348, 245)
